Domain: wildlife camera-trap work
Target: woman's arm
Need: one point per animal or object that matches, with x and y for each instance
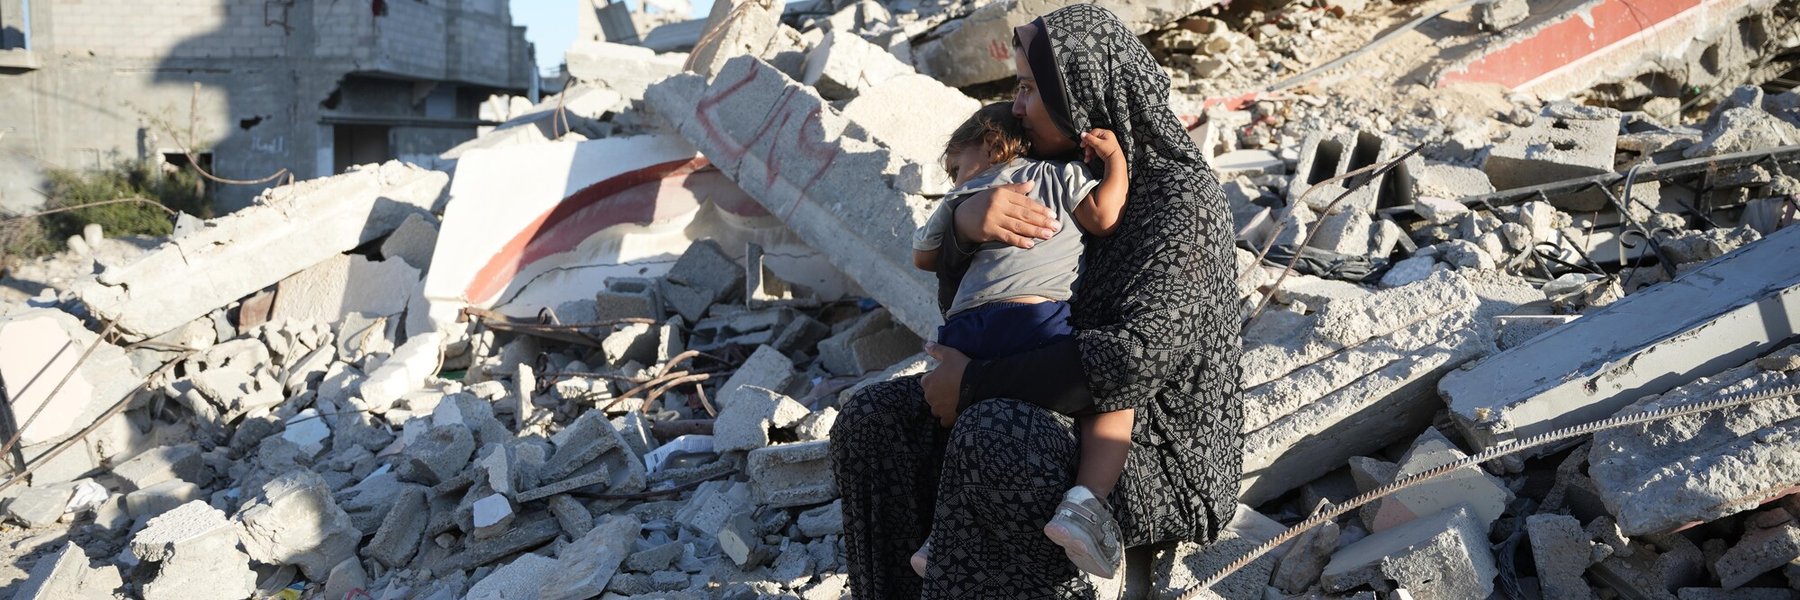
(1002, 214)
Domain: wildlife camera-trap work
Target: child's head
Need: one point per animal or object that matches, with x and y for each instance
(992, 136)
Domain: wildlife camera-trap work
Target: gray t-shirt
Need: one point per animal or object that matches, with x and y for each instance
(1001, 271)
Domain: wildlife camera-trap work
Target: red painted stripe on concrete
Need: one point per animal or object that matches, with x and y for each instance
(1572, 39)
(630, 197)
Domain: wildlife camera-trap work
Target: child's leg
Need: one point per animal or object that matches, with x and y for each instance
(1105, 439)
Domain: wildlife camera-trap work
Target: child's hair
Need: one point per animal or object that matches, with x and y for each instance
(993, 127)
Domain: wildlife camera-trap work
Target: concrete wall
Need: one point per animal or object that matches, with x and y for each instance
(113, 80)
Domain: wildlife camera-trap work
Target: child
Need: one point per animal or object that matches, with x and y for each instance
(1012, 300)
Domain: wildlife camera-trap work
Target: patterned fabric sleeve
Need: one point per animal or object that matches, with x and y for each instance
(1158, 309)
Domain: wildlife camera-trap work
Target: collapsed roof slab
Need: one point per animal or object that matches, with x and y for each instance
(1598, 41)
(1727, 311)
(292, 227)
(816, 170)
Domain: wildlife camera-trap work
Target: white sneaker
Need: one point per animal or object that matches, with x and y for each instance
(1084, 527)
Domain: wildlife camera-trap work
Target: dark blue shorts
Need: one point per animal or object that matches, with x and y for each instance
(1001, 329)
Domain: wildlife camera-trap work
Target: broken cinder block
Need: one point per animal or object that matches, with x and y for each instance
(795, 474)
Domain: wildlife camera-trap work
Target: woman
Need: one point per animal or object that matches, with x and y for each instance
(1155, 315)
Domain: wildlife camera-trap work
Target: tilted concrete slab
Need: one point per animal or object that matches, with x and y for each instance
(813, 168)
(1717, 316)
(1701, 467)
(291, 228)
(1359, 379)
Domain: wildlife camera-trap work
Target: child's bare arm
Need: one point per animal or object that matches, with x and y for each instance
(926, 260)
(1099, 212)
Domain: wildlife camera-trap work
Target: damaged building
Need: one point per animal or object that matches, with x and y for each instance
(1524, 332)
(250, 89)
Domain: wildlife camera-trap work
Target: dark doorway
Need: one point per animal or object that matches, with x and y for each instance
(359, 144)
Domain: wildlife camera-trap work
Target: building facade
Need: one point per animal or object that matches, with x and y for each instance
(248, 87)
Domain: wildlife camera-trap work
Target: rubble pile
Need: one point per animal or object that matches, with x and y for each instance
(598, 350)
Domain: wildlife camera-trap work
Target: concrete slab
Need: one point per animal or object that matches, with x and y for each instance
(1719, 315)
(1697, 468)
(744, 424)
(585, 565)
(915, 115)
(292, 228)
(1485, 495)
(798, 157)
(1354, 378)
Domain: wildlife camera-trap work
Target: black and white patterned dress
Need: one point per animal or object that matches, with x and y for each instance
(1156, 330)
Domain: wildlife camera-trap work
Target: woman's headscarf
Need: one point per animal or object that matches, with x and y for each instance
(1104, 77)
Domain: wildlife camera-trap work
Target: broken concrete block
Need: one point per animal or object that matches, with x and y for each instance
(43, 349)
(292, 228)
(162, 464)
(1182, 568)
(160, 498)
(822, 521)
(628, 298)
(65, 575)
(1725, 312)
(404, 372)
(37, 507)
(792, 474)
(1644, 570)
(866, 237)
(1760, 551)
(1484, 494)
(907, 113)
(633, 342)
(527, 572)
(584, 566)
(704, 275)
(402, 529)
(345, 577)
(412, 241)
(766, 368)
(844, 64)
(746, 27)
(1440, 556)
(1305, 559)
(1501, 14)
(296, 522)
(1743, 130)
(1325, 156)
(744, 424)
(712, 505)
(872, 343)
(1562, 553)
(591, 443)
(492, 514)
(438, 455)
(197, 548)
(1347, 232)
(1448, 182)
(622, 68)
(1566, 141)
(343, 285)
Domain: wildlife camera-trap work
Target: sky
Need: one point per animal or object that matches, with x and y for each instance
(550, 25)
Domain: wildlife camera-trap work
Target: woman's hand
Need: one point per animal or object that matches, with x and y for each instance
(943, 385)
(1005, 214)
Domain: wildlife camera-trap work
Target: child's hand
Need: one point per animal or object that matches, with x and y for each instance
(1101, 143)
